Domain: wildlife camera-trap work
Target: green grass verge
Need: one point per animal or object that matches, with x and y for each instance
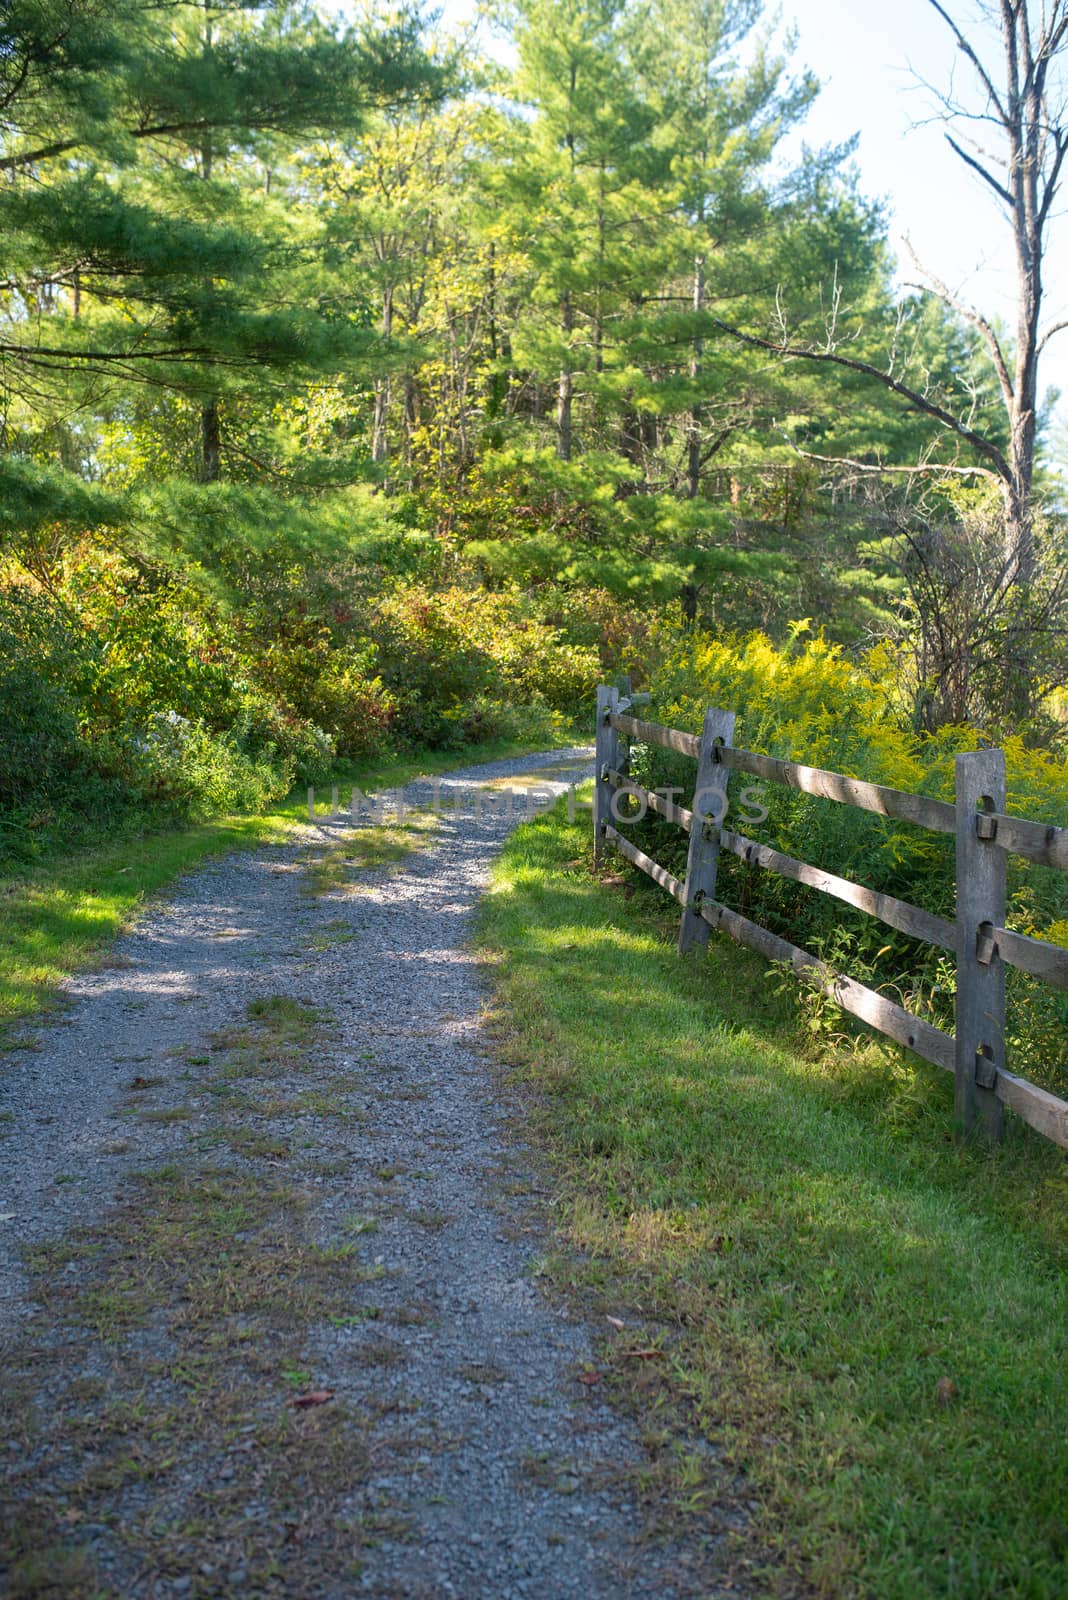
(57, 916)
(870, 1322)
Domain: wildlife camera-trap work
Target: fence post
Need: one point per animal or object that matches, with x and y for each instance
(607, 756)
(981, 904)
(709, 812)
(622, 761)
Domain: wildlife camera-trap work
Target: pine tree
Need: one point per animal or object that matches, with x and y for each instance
(143, 249)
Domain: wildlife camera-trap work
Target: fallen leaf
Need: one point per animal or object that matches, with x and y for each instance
(945, 1389)
(139, 1083)
(314, 1397)
(589, 1377)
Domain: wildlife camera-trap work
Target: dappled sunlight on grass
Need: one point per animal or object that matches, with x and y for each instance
(338, 867)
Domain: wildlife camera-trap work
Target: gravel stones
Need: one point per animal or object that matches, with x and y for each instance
(491, 1472)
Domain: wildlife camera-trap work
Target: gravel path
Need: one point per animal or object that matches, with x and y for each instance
(399, 1411)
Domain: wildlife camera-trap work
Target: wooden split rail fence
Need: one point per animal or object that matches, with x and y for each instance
(982, 945)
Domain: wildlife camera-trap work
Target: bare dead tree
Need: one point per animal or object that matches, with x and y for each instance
(1023, 102)
(1013, 134)
(953, 634)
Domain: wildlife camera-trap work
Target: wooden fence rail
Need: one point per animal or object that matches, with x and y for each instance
(982, 945)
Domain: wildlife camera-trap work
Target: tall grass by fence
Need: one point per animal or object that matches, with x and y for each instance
(985, 834)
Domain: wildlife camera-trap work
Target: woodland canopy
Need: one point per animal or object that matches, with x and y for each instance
(360, 393)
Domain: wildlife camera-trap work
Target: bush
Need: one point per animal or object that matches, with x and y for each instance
(48, 665)
(90, 736)
(447, 655)
(191, 772)
(809, 703)
(301, 752)
(350, 698)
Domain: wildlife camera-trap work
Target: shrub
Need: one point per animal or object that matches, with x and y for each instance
(48, 665)
(810, 703)
(446, 654)
(191, 772)
(90, 736)
(351, 699)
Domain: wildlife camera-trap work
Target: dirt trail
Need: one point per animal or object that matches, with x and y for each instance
(267, 1282)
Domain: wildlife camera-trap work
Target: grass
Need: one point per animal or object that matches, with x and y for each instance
(869, 1322)
(368, 850)
(58, 916)
(219, 1264)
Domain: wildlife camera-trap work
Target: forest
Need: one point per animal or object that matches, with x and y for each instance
(404, 1209)
(364, 395)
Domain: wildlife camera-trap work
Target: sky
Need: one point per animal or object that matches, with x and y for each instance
(869, 59)
(868, 56)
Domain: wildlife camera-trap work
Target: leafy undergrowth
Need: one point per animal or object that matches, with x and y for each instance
(869, 1322)
(57, 917)
(166, 1400)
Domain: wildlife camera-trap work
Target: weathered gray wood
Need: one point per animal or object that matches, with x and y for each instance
(638, 857)
(686, 744)
(918, 924)
(655, 802)
(1038, 841)
(622, 761)
(981, 898)
(607, 757)
(937, 815)
(1042, 1110)
(709, 811)
(984, 833)
(874, 1009)
(1036, 956)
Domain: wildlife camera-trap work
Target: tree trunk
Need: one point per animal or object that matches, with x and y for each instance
(210, 441)
(210, 434)
(1023, 421)
(565, 388)
(379, 434)
(411, 418)
(693, 431)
